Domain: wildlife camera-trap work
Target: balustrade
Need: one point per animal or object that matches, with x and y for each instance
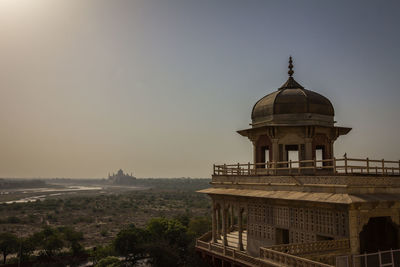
(285, 259)
(313, 247)
(306, 167)
(268, 256)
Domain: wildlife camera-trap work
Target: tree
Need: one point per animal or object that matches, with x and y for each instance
(198, 226)
(50, 240)
(169, 242)
(163, 255)
(27, 247)
(8, 244)
(171, 231)
(72, 237)
(164, 242)
(53, 244)
(130, 243)
(100, 252)
(184, 219)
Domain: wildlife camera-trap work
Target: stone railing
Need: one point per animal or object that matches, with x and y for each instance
(205, 237)
(333, 166)
(202, 244)
(268, 257)
(283, 259)
(313, 247)
(230, 253)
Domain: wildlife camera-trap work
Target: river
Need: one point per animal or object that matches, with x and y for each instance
(45, 192)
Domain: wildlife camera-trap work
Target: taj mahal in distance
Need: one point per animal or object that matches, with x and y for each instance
(297, 204)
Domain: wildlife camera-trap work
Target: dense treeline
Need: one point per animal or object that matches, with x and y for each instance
(162, 242)
(43, 245)
(101, 216)
(101, 220)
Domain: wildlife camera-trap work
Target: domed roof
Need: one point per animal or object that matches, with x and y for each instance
(292, 104)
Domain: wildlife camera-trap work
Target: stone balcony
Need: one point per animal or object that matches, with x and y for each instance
(306, 254)
(353, 180)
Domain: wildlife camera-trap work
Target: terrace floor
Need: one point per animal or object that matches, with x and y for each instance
(233, 239)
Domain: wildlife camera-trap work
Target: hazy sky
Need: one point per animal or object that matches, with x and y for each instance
(158, 88)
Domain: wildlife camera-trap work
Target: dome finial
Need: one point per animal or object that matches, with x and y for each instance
(291, 83)
(290, 72)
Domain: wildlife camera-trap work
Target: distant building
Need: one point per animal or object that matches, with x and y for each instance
(121, 178)
(296, 204)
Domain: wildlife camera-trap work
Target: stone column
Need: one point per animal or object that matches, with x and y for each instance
(218, 215)
(232, 216)
(354, 232)
(332, 155)
(308, 154)
(275, 150)
(254, 152)
(224, 226)
(214, 224)
(308, 148)
(240, 226)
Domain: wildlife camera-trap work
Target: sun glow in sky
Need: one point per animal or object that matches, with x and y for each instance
(159, 88)
(14, 7)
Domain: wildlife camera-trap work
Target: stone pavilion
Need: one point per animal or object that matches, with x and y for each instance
(297, 204)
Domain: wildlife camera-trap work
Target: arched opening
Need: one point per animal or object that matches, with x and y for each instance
(263, 156)
(281, 236)
(319, 155)
(379, 234)
(263, 151)
(292, 154)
